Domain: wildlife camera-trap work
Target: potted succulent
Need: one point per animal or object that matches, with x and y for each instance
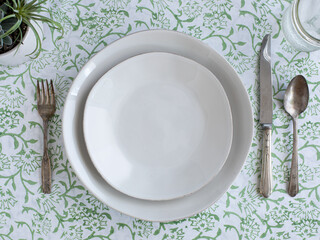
(21, 30)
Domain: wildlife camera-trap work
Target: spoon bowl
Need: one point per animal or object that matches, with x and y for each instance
(295, 102)
(296, 97)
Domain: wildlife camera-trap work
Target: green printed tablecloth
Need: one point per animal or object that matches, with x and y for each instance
(235, 30)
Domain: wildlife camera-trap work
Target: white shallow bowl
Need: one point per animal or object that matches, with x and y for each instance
(122, 49)
(158, 126)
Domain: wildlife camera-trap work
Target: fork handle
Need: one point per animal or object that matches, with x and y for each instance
(46, 164)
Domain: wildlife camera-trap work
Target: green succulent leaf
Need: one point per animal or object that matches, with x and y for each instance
(7, 40)
(3, 8)
(9, 23)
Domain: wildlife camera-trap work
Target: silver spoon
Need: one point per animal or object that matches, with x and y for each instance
(296, 100)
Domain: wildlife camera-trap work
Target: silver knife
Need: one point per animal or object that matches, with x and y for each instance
(266, 115)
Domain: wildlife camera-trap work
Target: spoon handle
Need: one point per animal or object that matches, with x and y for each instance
(266, 171)
(294, 181)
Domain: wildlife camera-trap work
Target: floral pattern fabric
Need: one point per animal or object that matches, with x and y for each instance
(235, 30)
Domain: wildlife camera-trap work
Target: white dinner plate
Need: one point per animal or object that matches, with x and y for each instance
(158, 126)
(120, 50)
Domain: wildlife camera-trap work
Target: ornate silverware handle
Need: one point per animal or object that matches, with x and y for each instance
(293, 188)
(46, 164)
(266, 171)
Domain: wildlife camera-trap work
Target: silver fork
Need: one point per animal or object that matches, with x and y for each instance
(46, 107)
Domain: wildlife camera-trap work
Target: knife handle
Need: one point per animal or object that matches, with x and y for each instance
(266, 171)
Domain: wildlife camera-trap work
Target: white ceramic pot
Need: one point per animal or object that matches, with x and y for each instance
(14, 57)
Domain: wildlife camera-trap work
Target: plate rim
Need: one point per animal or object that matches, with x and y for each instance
(105, 77)
(93, 189)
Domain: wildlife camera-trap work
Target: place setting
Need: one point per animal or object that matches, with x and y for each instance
(159, 119)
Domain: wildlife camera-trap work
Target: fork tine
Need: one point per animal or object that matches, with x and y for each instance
(52, 97)
(38, 92)
(42, 93)
(47, 93)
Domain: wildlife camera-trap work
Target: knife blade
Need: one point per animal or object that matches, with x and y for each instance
(266, 115)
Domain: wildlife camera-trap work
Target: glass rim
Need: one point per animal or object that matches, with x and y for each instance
(299, 28)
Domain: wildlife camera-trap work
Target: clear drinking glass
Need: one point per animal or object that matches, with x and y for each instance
(301, 25)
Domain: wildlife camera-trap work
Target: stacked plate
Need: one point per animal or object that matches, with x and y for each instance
(157, 125)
